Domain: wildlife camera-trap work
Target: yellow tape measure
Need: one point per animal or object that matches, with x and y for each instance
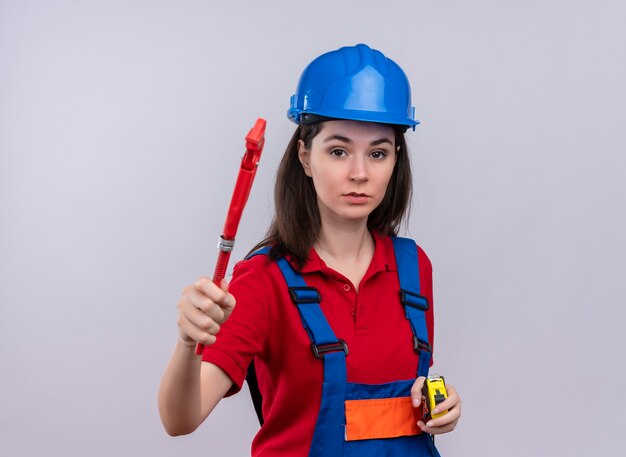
(434, 391)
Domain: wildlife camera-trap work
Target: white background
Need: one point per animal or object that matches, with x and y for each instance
(121, 129)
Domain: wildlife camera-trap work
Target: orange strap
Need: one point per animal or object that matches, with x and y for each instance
(381, 418)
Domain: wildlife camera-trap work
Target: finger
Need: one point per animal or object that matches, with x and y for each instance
(416, 391)
(198, 318)
(206, 306)
(205, 323)
(452, 415)
(228, 307)
(450, 402)
(206, 286)
(220, 296)
(194, 332)
(436, 430)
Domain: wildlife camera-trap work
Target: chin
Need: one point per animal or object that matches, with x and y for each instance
(356, 214)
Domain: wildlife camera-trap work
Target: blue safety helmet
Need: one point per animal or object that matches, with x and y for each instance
(354, 82)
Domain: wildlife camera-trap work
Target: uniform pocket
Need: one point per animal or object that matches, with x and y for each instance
(381, 418)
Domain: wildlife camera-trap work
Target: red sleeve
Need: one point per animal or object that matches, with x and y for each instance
(426, 286)
(243, 335)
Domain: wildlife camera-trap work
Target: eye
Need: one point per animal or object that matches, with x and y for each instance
(338, 152)
(379, 154)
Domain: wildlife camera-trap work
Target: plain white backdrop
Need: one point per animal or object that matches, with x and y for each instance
(121, 129)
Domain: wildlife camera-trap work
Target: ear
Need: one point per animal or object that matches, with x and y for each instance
(303, 156)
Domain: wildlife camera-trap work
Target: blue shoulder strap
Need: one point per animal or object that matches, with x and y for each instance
(307, 300)
(327, 438)
(324, 345)
(415, 304)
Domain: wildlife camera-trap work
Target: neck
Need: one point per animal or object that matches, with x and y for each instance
(345, 243)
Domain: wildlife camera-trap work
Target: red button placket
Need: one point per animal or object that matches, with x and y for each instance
(347, 288)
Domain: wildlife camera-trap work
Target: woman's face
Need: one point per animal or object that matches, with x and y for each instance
(351, 164)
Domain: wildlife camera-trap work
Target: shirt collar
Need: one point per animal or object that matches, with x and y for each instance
(383, 259)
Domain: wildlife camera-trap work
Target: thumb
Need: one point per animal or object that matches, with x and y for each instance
(416, 391)
(229, 301)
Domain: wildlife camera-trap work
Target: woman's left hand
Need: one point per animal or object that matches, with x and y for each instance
(442, 424)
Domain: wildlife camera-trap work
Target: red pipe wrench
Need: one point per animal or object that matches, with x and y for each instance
(255, 141)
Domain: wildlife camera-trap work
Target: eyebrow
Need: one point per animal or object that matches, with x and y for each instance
(348, 140)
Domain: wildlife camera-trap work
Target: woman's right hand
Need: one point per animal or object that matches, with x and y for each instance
(202, 309)
(190, 388)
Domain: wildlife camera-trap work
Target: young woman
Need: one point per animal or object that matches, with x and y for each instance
(334, 310)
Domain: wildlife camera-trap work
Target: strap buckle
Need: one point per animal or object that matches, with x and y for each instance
(320, 349)
(419, 345)
(414, 300)
(304, 295)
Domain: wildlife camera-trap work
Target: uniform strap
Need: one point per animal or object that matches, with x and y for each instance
(415, 304)
(328, 436)
(307, 300)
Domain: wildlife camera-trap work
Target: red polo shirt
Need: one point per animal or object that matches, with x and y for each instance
(266, 324)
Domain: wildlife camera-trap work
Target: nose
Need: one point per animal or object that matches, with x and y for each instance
(358, 170)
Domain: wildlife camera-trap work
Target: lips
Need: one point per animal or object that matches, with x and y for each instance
(356, 198)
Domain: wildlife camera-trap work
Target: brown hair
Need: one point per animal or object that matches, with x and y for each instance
(296, 224)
